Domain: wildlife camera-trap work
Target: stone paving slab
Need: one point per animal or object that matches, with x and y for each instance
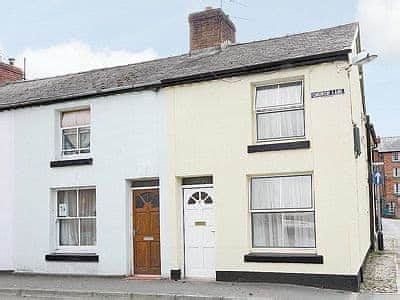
(380, 273)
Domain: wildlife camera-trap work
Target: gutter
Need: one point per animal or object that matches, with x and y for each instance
(371, 144)
(156, 85)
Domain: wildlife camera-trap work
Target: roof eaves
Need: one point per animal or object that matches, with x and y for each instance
(244, 70)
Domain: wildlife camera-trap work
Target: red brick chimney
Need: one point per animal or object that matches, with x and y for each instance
(210, 28)
(9, 72)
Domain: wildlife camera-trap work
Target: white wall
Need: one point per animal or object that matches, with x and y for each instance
(7, 189)
(128, 138)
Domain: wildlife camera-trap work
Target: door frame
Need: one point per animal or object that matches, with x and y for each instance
(132, 222)
(182, 205)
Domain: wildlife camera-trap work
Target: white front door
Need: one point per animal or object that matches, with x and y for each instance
(199, 223)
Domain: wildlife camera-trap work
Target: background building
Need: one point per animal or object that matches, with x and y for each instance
(388, 156)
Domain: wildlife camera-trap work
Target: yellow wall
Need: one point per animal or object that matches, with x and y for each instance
(212, 125)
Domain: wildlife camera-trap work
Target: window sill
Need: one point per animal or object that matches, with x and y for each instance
(71, 162)
(278, 146)
(72, 257)
(284, 258)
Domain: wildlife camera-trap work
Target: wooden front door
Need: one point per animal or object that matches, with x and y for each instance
(146, 230)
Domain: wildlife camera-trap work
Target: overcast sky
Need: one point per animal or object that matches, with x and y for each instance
(64, 36)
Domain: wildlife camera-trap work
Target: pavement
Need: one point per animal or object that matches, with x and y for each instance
(20, 286)
(391, 235)
(27, 286)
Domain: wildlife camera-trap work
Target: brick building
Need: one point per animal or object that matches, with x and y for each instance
(388, 154)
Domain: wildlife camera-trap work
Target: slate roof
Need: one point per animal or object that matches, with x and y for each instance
(151, 73)
(389, 144)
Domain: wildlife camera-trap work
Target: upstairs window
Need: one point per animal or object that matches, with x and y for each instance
(279, 111)
(75, 129)
(396, 189)
(396, 172)
(395, 156)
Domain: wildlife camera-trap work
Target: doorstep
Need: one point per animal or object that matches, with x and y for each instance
(144, 277)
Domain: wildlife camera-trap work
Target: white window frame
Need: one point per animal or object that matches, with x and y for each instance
(278, 109)
(281, 210)
(396, 172)
(79, 248)
(396, 189)
(77, 128)
(395, 156)
(391, 207)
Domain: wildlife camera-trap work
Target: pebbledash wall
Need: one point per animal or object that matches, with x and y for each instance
(213, 123)
(128, 141)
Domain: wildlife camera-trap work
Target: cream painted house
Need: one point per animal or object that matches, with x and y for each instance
(234, 162)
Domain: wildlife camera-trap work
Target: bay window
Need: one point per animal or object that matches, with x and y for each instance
(75, 130)
(76, 217)
(282, 212)
(279, 111)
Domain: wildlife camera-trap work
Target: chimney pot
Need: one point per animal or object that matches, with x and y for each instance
(210, 28)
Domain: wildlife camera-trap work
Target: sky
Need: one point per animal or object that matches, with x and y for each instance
(64, 36)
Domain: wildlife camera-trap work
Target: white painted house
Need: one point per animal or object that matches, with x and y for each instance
(234, 162)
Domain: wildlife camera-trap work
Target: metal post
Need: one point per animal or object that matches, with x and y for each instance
(379, 213)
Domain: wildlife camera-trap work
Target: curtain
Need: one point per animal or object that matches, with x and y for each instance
(69, 139)
(280, 124)
(75, 118)
(279, 95)
(88, 232)
(290, 93)
(281, 192)
(67, 198)
(84, 138)
(69, 232)
(87, 203)
(267, 97)
(284, 230)
(265, 193)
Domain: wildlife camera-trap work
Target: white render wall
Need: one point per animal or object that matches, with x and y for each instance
(7, 190)
(128, 138)
(214, 123)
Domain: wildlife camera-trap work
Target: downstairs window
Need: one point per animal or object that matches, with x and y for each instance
(282, 212)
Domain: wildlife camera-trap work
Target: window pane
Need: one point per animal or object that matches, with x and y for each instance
(84, 139)
(283, 230)
(66, 203)
(280, 124)
(69, 141)
(281, 192)
(75, 118)
(69, 232)
(87, 203)
(88, 232)
(395, 156)
(279, 95)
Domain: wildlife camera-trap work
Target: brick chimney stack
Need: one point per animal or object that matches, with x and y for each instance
(9, 72)
(209, 28)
